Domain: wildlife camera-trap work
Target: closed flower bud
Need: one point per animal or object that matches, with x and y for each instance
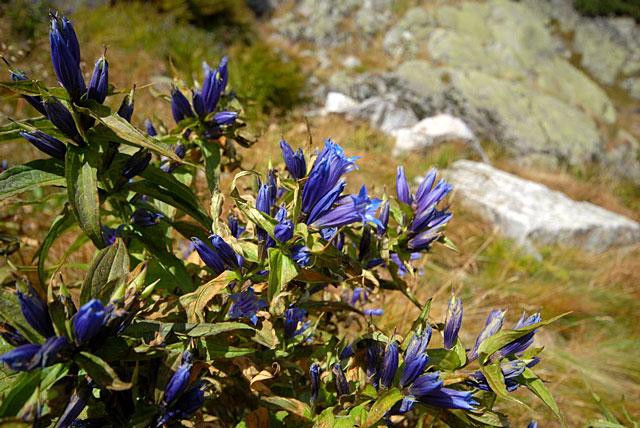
(65, 57)
(50, 352)
(178, 382)
(453, 322)
(46, 143)
(314, 374)
(62, 119)
(389, 365)
(341, 384)
(19, 359)
(180, 107)
(136, 163)
(413, 368)
(294, 324)
(99, 83)
(88, 321)
(283, 230)
(151, 130)
(76, 405)
(225, 251)
(234, 226)
(301, 255)
(246, 305)
(402, 187)
(11, 335)
(208, 256)
(36, 313)
(384, 219)
(492, 326)
(145, 218)
(35, 101)
(126, 107)
(225, 118)
(295, 162)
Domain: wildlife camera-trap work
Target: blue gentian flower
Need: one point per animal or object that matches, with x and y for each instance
(229, 257)
(349, 209)
(245, 305)
(136, 163)
(19, 359)
(65, 57)
(492, 326)
(314, 374)
(283, 230)
(145, 218)
(373, 312)
(452, 322)
(11, 335)
(151, 130)
(521, 344)
(402, 187)
(341, 384)
(320, 190)
(449, 399)
(294, 324)
(389, 365)
(62, 119)
(301, 255)
(383, 219)
(35, 101)
(402, 268)
(180, 107)
(234, 226)
(99, 83)
(225, 118)
(210, 258)
(89, 320)
(295, 162)
(510, 372)
(50, 352)
(347, 352)
(4, 165)
(46, 143)
(373, 356)
(125, 110)
(179, 380)
(532, 424)
(213, 85)
(186, 405)
(109, 234)
(75, 406)
(36, 313)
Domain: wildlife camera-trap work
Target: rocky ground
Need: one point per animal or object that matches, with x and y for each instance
(547, 86)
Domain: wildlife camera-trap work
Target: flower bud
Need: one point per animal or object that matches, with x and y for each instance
(46, 144)
(295, 162)
(208, 256)
(88, 321)
(283, 230)
(178, 382)
(99, 83)
(76, 405)
(126, 107)
(402, 187)
(225, 118)
(225, 251)
(180, 107)
(389, 365)
(151, 130)
(65, 57)
(35, 101)
(62, 119)
(136, 163)
(453, 322)
(314, 374)
(36, 313)
(19, 359)
(342, 386)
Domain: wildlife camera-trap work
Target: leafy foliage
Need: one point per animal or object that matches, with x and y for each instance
(182, 315)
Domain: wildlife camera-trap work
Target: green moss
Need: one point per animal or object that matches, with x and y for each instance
(608, 7)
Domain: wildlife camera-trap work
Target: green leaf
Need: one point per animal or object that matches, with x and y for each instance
(494, 343)
(101, 372)
(196, 302)
(25, 385)
(217, 350)
(495, 379)
(281, 270)
(382, 405)
(61, 223)
(208, 329)
(82, 188)
(108, 267)
(211, 154)
(535, 385)
(291, 405)
(32, 175)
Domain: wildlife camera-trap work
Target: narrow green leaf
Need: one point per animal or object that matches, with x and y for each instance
(24, 387)
(61, 223)
(101, 372)
(108, 267)
(535, 385)
(281, 270)
(495, 379)
(34, 174)
(211, 154)
(384, 402)
(82, 187)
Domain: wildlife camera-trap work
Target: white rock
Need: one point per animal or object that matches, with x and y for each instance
(432, 130)
(530, 212)
(337, 102)
(384, 114)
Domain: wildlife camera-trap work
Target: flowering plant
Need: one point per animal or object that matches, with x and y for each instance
(240, 314)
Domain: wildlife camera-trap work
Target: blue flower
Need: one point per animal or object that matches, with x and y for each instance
(126, 106)
(389, 365)
(213, 85)
(350, 209)
(347, 352)
(11, 335)
(373, 356)
(210, 258)
(19, 359)
(532, 424)
(294, 324)
(492, 326)
(145, 218)
(245, 305)
(229, 257)
(35, 101)
(99, 83)
(62, 119)
(522, 343)
(179, 380)
(510, 372)
(136, 163)
(314, 374)
(180, 107)
(301, 255)
(109, 234)
(4, 165)
(225, 118)
(234, 226)
(36, 313)
(373, 312)
(46, 143)
(50, 352)
(324, 178)
(449, 399)
(151, 130)
(295, 162)
(283, 230)
(188, 403)
(89, 320)
(383, 219)
(402, 187)
(341, 384)
(453, 322)
(75, 406)
(65, 57)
